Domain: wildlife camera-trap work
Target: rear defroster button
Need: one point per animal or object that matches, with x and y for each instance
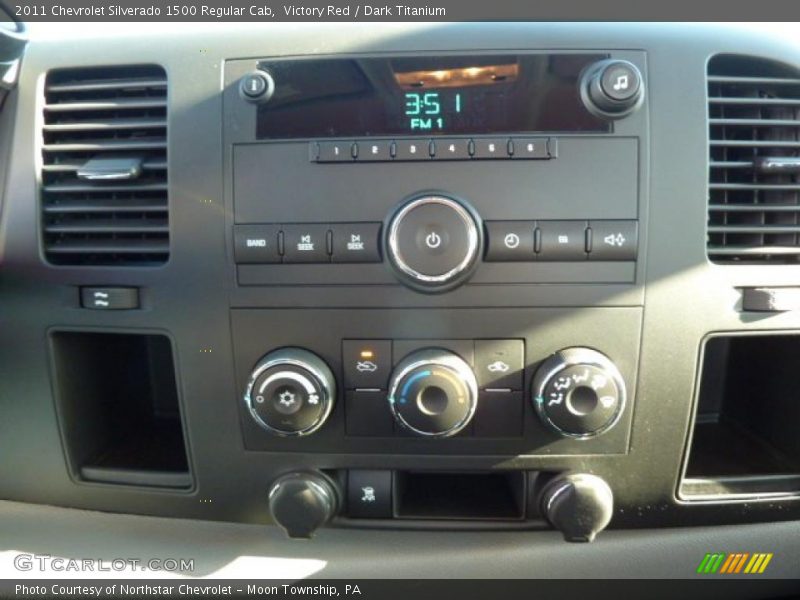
(433, 242)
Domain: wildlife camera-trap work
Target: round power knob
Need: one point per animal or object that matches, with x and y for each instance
(579, 393)
(433, 242)
(433, 393)
(301, 503)
(290, 392)
(612, 88)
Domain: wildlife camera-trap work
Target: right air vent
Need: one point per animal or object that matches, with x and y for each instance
(754, 160)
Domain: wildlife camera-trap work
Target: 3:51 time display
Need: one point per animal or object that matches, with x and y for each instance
(425, 111)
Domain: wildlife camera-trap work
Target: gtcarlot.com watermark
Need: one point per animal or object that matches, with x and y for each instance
(48, 563)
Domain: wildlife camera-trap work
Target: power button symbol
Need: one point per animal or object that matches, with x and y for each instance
(433, 240)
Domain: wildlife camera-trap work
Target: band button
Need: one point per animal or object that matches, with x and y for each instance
(256, 244)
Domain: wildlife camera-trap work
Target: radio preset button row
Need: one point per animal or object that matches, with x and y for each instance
(407, 150)
(601, 240)
(307, 243)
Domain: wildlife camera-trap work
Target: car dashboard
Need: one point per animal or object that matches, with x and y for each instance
(444, 289)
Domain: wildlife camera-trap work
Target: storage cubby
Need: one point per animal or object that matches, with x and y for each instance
(118, 406)
(745, 438)
(434, 495)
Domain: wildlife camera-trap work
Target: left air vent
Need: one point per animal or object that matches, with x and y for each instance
(104, 187)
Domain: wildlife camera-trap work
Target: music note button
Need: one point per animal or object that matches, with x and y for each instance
(620, 81)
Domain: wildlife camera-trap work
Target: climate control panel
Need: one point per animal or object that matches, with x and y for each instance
(437, 389)
(525, 383)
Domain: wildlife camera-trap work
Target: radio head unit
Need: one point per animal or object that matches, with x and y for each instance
(450, 173)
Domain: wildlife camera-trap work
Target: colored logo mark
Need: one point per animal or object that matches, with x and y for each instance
(724, 563)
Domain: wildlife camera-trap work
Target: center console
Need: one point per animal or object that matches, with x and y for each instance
(460, 239)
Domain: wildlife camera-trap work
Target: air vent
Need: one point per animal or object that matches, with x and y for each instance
(104, 168)
(754, 152)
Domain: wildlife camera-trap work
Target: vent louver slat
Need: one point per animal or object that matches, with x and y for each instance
(93, 118)
(754, 161)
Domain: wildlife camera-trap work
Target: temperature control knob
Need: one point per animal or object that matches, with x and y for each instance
(434, 242)
(290, 392)
(579, 392)
(433, 393)
(612, 88)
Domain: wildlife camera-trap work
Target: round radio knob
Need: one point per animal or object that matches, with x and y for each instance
(433, 393)
(290, 392)
(579, 392)
(612, 88)
(433, 242)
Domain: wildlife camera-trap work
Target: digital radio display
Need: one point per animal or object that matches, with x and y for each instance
(446, 95)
